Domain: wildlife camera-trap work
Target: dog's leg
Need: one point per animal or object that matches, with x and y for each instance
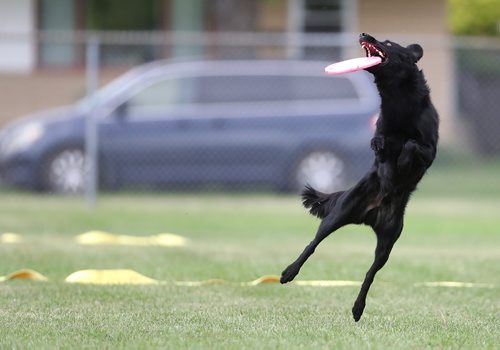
(327, 226)
(350, 207)
(387, 235)
(424, 154)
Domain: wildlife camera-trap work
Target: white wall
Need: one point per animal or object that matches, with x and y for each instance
(17, 44)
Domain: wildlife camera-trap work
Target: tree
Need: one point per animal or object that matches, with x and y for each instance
(474, 17)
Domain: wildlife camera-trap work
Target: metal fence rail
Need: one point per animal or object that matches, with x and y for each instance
(180, 126)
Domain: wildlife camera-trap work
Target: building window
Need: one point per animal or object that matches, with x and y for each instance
(126, 15)
(322, 16)
(99, 15)
(56, 15)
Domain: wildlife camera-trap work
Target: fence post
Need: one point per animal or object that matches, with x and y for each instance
(294, 41)
(92, 83)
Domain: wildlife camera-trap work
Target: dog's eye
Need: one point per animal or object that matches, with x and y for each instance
(388, 44)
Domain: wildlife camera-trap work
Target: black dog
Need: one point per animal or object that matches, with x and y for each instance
(405, 146)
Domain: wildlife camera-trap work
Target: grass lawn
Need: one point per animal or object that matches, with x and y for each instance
(452, 233)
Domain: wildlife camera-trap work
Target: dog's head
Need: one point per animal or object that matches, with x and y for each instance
(393, 55)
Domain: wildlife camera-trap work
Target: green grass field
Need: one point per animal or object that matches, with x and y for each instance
(452, 233)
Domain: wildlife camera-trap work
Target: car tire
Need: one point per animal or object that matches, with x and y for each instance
(64, 171)
(324, 170)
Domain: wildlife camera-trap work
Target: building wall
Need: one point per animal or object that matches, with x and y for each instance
(17, 52)
(404, 17)
(423, 22)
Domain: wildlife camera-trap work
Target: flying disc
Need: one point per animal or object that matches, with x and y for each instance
(353, 65)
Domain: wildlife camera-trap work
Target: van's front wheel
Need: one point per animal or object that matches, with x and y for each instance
(64, 171)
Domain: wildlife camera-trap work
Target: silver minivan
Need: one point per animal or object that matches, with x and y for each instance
(275, 124)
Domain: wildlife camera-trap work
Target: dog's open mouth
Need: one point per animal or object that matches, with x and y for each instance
(371, 50)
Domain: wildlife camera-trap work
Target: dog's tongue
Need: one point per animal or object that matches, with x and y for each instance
(353, 65)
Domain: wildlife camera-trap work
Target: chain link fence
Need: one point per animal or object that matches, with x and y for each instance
(226, 111)
(478, 76)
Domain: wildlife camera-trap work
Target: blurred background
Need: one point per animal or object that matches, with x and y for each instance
(230, 95)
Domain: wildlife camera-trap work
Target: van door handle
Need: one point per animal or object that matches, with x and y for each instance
(219, 123)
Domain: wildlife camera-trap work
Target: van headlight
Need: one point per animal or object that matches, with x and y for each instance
(21, 138)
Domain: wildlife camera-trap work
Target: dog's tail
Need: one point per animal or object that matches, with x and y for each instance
(319, 203)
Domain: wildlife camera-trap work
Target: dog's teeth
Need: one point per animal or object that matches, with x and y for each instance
(380, 53)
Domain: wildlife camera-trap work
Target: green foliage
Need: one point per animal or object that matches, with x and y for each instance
(474, 17)
(123, 14)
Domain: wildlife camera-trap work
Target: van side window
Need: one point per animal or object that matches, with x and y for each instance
(194, 92)
(164, 94)
(227, 89)
(322, 88)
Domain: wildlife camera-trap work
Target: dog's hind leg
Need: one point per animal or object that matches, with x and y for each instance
(328, 225)
(387, 234)
(343, 208)
(349, 207)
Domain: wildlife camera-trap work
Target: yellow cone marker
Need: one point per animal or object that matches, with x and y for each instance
(211, 282)
(115, 276)
(126, 276)
(328, 283)
(10, 237)
(106, 238)
(123, 276)
(262, 280)
(455, 284)
(25, 274)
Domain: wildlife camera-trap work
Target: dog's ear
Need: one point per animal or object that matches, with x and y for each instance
(416, 51)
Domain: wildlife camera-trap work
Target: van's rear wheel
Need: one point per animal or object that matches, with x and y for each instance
(325, 171)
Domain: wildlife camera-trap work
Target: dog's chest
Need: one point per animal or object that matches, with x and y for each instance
(397, 128)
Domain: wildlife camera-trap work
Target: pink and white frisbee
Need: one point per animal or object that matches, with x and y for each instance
(353, 65)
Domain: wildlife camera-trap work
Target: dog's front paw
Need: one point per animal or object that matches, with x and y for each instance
(357, 310)
(409, 146)
(289, 274)
(378, 146)
(406, 156)
(378, 143)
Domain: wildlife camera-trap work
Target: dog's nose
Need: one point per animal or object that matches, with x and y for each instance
(363, 35)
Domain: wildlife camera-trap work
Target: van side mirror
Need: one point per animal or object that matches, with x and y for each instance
(121, 111)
